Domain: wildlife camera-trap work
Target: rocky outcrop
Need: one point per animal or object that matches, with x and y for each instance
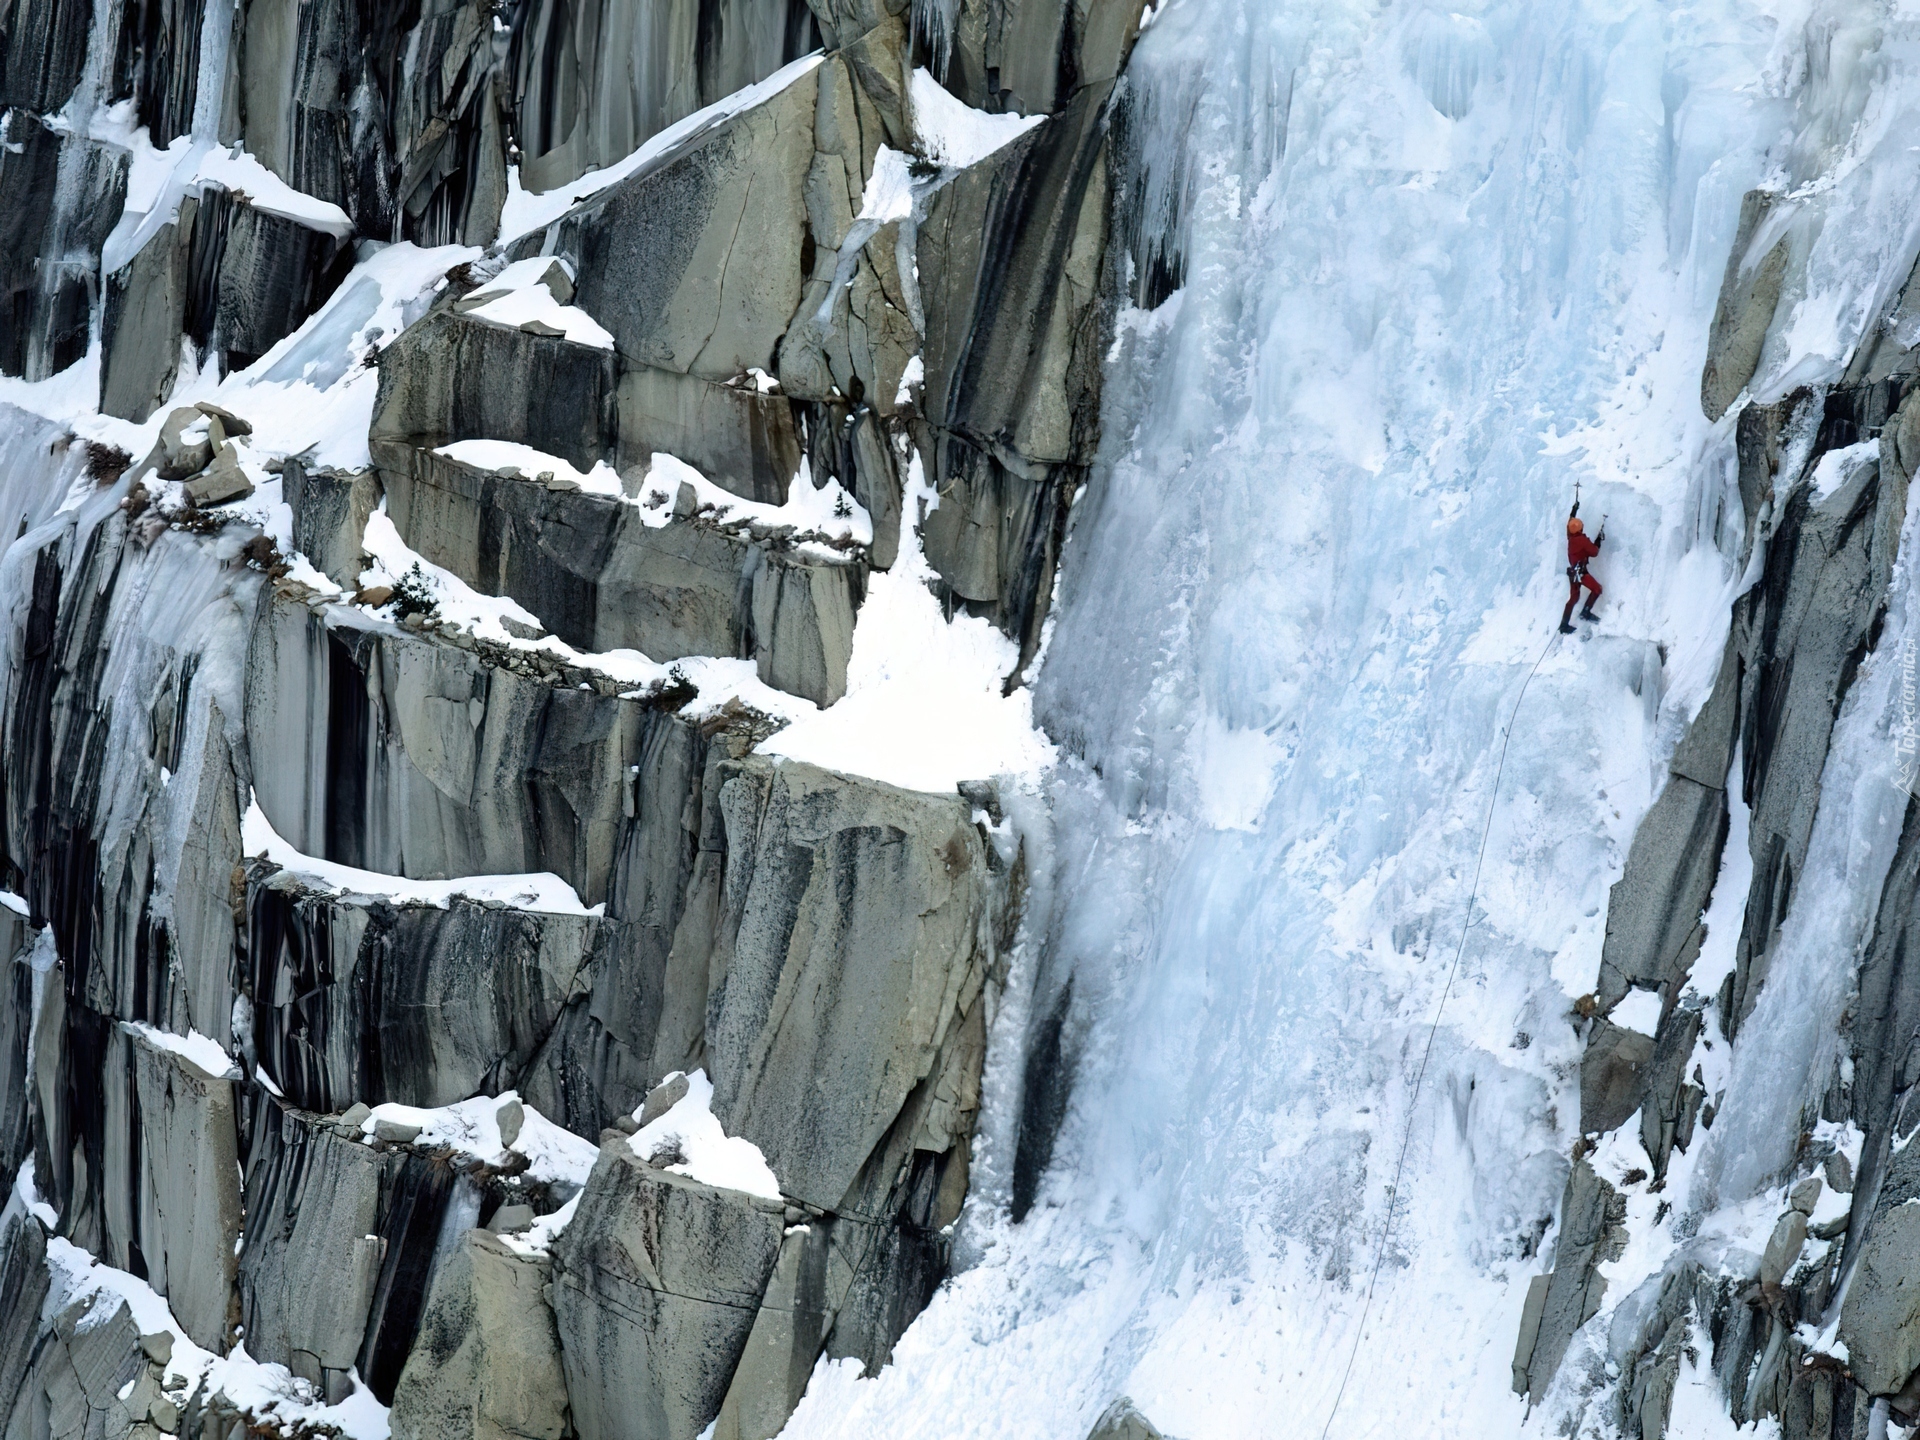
(853, 933)
(607, 575)
(1748, 297)
(330, 513)
(776, 923)
(1821, 528)
(1033, 56)
(1123, 1421)
(486, 1365)
(234, 278)
(43, 47)
(1591, 1232)
(81, 1371)
(358, 998)
(183, 1219)
(459, 377)
(192, 1031)
(396, 114)
(655, 1285)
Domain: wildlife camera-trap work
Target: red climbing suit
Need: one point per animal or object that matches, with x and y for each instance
(1579, 551)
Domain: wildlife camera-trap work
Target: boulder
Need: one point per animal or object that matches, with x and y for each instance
(511, 1219)
(1839, 1172)
(1783, 1247)
(186, 444)
(656, 1284)
(508, 1119)
(662, 1098)
(221, 482)
(486, 1365)
(1612, 1076)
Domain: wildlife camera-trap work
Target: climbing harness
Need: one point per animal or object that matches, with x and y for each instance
(1413, 1105)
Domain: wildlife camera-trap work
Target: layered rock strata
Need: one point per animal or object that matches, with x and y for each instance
(338, 930)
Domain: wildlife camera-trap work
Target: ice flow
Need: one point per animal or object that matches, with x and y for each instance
(1434, 265)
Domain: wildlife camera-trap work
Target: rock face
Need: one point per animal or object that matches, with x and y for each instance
(656, 1282)
(234, 278)
(1824, 556)
(850, 935)
(356, 998)
(1748, 297)
(59, 197)
(606, 576)
(593, 82)
(487, 1363)
(1590, 1234)
(277, 850)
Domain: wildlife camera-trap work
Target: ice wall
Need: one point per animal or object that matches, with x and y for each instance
(1439, 264)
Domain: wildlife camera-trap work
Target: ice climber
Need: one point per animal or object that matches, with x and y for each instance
(1579, 551)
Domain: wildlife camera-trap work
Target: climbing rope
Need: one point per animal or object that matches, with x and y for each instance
(1473, 894)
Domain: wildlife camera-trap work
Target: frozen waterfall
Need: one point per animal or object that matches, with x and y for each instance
(1438, 265)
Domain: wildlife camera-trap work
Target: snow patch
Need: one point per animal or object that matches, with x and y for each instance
(926, 705)
(536, 303)
(472, 1127)
(1638, 1010)
(955, 134)
(508, 457)
(708, 1153)
(200, 1049)
(539, 891)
